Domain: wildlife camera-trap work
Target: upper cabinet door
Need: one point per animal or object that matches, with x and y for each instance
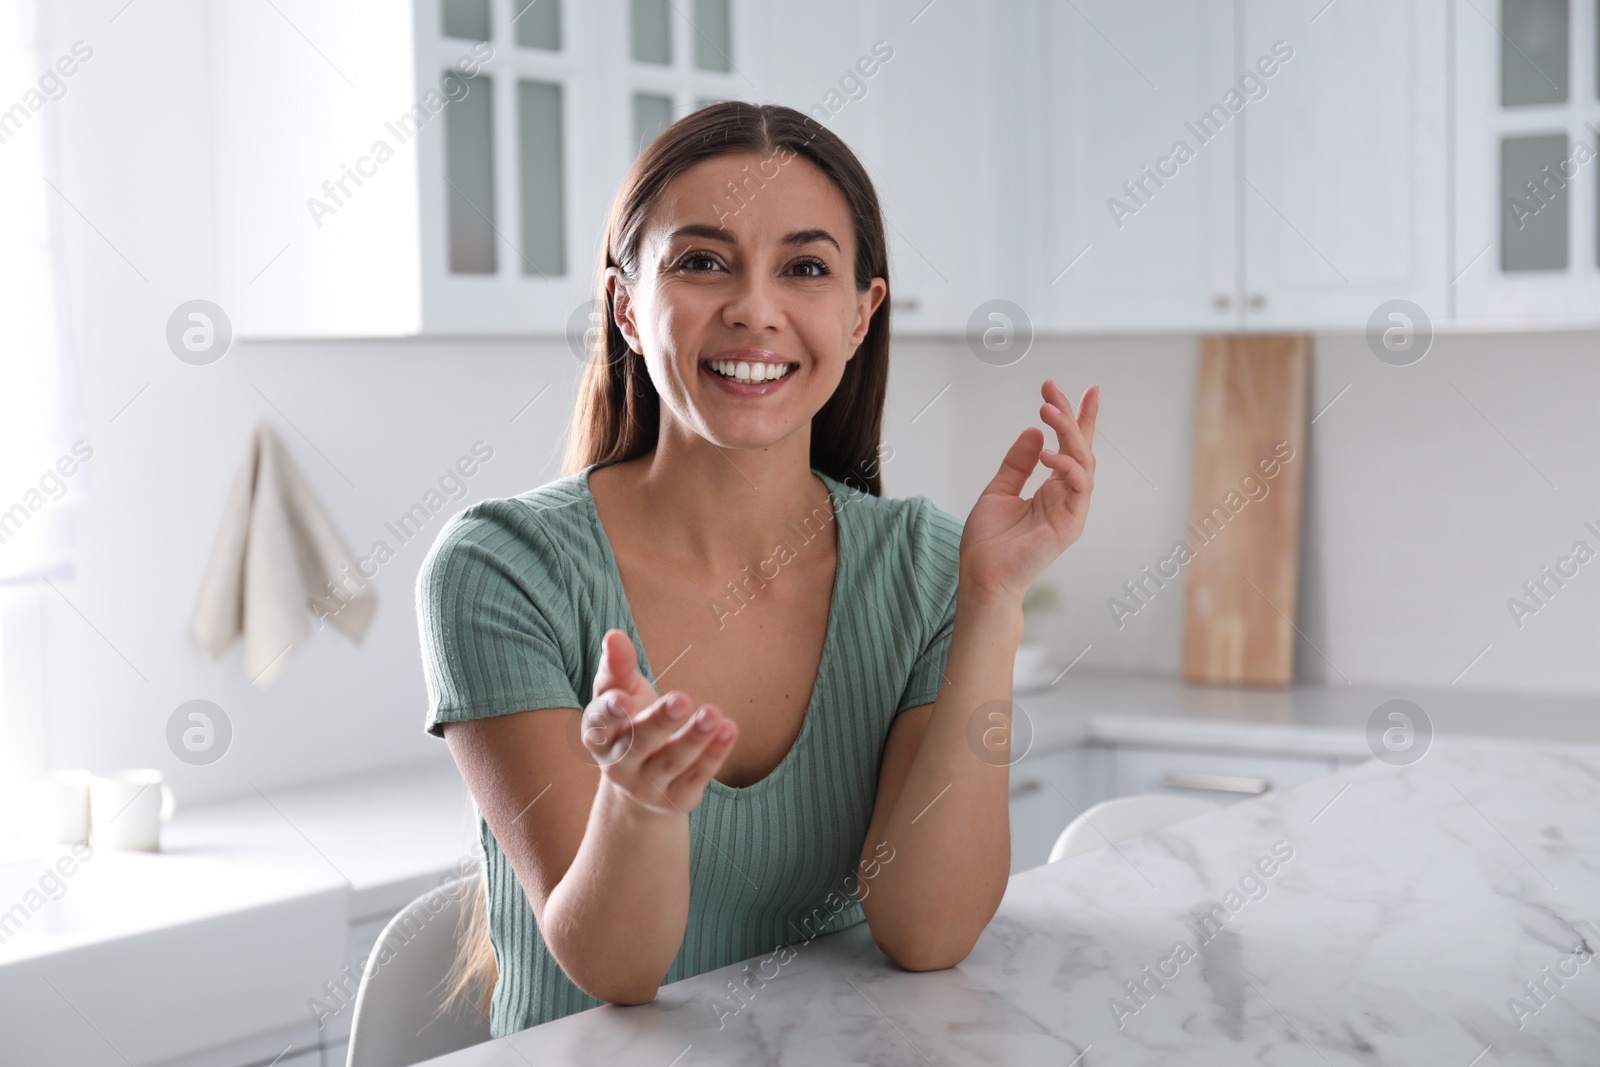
(504, 217)
(1345, 181)
(1140, 158)
(930, 98)
(1528, 131)
(949, 149)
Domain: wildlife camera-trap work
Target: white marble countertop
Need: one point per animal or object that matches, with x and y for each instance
(1414, 904)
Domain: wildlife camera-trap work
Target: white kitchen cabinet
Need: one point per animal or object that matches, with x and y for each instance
(440, 167)
(1048, 790)
(1345, 165)
(1139, 203)
(952, 156)
(930, 98)
(1255, 165)
(1527, 95)
(1225, 777)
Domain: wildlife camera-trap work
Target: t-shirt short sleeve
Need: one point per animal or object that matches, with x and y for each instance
(494, 618)
(936, 566)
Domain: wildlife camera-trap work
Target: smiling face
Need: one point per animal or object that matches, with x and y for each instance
(746, 314)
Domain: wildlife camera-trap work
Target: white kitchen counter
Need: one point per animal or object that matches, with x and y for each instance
(1413, 906)
(230, 930)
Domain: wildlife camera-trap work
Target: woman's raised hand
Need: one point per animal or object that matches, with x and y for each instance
(1007, 541)
(650, 748)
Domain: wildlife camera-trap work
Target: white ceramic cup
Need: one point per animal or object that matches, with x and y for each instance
(127, 808)
(55, 807)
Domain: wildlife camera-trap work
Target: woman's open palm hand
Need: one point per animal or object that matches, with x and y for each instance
(1008, 541)
(649, 747)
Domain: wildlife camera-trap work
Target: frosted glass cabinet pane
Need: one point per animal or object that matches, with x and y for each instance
(469, 168)
(540, 165)
(652, 113)
(652, 31)
(1534, 43)
(713, 37)
(538, 23)
(466, 18)
(1533, 220)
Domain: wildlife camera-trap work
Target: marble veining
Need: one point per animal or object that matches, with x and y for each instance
(1443, 913)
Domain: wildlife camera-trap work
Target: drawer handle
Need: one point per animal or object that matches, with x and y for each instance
(1215, 783)
(1025, 788)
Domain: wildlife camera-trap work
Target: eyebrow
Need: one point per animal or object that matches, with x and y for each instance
(717, 233)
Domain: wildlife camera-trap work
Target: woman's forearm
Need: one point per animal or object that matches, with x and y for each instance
(950, 824)
(616, 919)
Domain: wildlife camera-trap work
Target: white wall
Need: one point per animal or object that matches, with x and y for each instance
(1434, 492)
(372, 426)
(1422, 518)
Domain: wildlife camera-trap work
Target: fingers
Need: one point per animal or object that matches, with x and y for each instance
(685, 789)
(1078, 478)
(706, 730)
(606, 729)
(619, 733)
(1020, 460)
(619, 671)
(1089, 413)
(664, 756)
(616, 661)
(1070, 429)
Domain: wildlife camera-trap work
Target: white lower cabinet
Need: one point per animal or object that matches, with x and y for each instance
(1221, 776)
(1050, 788)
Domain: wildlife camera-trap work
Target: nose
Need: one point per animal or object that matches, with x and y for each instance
(755, 303)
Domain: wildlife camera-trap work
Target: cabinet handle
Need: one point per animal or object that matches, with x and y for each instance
(1222, 301)
(1025, 788)
(1215, 783)
(909, 303)
(1258, 301)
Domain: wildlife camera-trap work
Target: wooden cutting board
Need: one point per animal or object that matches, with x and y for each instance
(1244, 509)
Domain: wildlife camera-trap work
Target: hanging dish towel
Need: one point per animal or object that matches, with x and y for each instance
(277, 560)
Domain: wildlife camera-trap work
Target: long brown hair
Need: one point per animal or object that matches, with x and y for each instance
(618, 412)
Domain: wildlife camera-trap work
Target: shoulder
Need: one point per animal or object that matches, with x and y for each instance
(529, 539)
(908, 541)
(913, 524)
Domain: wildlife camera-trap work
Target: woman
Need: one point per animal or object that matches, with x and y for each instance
(845, 658)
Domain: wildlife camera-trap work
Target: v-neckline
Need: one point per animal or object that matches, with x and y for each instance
(829, 637)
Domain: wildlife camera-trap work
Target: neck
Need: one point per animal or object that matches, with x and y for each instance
(719, 509)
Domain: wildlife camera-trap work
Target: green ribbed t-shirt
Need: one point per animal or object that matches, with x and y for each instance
(512, 601)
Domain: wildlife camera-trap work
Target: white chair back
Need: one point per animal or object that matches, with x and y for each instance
(1123, 817)
(397, 1021)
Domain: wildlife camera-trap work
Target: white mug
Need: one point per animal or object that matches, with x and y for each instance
(55, 807)
(127, 808)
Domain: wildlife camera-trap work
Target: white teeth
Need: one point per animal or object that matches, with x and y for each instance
(753, 373)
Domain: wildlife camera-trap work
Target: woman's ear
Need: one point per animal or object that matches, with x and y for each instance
(867, 303)
(622, 307)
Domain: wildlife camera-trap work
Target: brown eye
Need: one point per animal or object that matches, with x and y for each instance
(696, 257)
(820, 267)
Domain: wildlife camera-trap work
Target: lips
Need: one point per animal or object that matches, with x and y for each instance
(738, 376)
